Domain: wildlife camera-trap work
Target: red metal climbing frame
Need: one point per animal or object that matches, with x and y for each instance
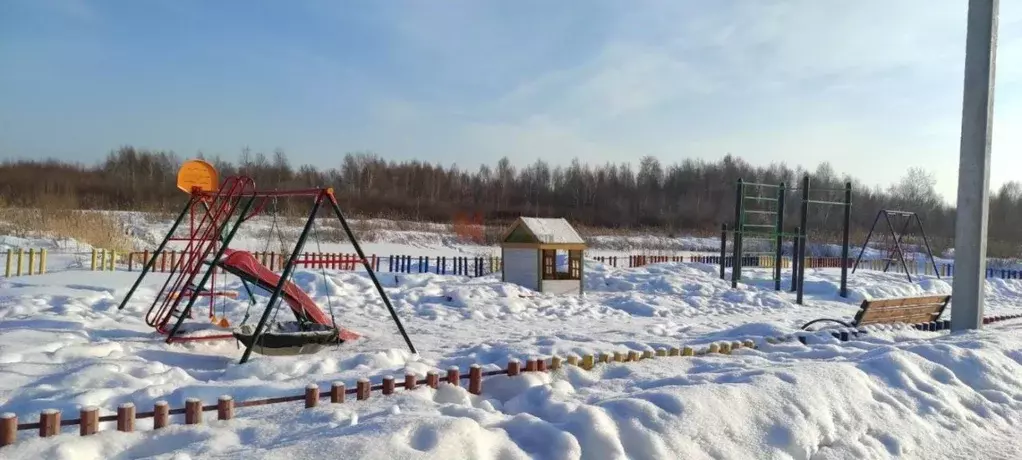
(202, 240)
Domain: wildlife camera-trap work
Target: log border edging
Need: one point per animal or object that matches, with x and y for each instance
(50, 422)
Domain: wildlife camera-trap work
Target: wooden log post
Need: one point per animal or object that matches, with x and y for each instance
(674, 351)
(530, 365)
(688, 351)
(661, 352)
(193, 411)
(8, 429)
(573, 360)
(514, 367)
(433, 379)
(647, 354)
(311, 395)
(619, 357)
(88, 421)
(225, 407)
(588, 362)
(411, 381)
(388, 385)
(337, 392)
(605, 357)
(714, 348)
(161, 414)
(555, 363)
(126, 417)
(49, 423)
(362, 388)
(475, 379)
(541, 365)
(453, 376)
(633, 356)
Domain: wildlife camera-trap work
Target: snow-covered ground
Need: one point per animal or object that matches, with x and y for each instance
(907, 394)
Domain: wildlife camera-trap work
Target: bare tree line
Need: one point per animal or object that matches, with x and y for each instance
(692, 196)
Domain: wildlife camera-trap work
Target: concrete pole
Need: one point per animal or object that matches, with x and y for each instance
(974, 166)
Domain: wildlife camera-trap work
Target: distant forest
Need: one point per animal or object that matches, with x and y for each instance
(693, 196)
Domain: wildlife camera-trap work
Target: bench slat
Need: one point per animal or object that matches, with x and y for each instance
(895, 302)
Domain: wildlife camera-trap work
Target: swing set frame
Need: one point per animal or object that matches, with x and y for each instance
(895, 238)
(221, 206)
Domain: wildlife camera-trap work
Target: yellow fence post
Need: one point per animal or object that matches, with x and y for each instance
(42, 261)
(17, 271)
(113, 259)
(93, 266)
(10, 259)
(31, 261)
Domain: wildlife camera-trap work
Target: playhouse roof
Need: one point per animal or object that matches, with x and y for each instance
(545, 231)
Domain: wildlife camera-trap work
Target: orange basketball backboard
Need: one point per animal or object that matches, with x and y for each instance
(197, 174)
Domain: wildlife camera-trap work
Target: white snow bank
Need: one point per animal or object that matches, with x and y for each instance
(64, 344)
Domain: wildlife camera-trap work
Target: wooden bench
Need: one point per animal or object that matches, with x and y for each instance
(907, 310)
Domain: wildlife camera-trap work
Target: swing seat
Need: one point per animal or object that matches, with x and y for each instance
(290, 338)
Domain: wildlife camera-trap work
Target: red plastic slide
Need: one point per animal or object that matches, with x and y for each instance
(244, 265)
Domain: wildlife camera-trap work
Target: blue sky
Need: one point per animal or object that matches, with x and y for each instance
(872, 86)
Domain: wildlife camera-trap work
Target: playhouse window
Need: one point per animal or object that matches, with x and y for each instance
(575, 264)
(562, 265)
(549, 264)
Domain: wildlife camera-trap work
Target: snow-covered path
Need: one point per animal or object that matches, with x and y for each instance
(64, 344)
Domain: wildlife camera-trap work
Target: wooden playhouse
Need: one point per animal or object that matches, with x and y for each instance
(531, 249)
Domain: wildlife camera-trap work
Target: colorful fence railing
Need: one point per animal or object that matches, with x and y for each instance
(442, 265)
(32, 261)
(915, 267)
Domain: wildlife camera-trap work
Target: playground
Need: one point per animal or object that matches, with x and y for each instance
(65, 345)
(669, 359)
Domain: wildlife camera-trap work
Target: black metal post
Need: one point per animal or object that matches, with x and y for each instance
(804, 240)
(866, 243)
(289, 267)
(844, 239)
(209, 271)
(795, 241)
(926, 242)
(736, 230)
(779, 238)
(372, 274)
(723, 248)
(152, 260)
(900, 235)
(897, 244)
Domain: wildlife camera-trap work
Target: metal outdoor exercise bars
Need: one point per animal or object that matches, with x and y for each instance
(752, 222)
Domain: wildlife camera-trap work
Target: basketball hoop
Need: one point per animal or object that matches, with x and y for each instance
(197, 174)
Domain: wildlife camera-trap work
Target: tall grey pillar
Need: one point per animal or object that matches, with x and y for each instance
(974, 166)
